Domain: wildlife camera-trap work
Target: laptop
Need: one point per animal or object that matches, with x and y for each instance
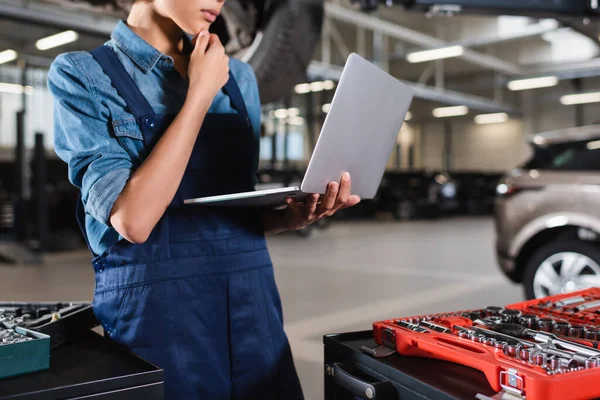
(358, 136)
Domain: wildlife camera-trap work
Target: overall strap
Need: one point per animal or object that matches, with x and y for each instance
(233, 91)
(122, 81)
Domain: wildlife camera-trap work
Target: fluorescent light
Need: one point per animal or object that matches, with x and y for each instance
(14, 88)
(581, 98)
(326, 108)
(298, 121)
(317, 86)
(328, 85)
(595, 145)
(302, 88)
(533, 83)
(284, 113)
(293, 112)
(8, 56)
(57, 40)
(491, 118)
(435, 54)
(444, 112)
(281, 113)
(408, 116)
(539, 140)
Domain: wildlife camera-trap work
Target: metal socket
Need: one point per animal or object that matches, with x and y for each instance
(561, 328)
(546, 325)
(529, 321)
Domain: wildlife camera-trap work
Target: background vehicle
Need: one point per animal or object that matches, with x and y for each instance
(548, 214)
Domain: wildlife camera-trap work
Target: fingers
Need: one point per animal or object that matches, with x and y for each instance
(329, 199)
(215, 44)
(310, 205)
(342, 197)
(202, 42)
(352, 201)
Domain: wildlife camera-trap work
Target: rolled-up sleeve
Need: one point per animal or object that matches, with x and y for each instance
(98, 164)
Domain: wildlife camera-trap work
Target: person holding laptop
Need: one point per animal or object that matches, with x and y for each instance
(152, 117)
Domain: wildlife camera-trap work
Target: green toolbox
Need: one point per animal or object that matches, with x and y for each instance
(21, 350)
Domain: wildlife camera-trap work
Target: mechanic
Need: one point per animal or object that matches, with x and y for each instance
(152, 117)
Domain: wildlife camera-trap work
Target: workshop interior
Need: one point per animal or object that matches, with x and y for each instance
(472, 273)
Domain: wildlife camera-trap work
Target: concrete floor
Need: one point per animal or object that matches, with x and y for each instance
(339, 280)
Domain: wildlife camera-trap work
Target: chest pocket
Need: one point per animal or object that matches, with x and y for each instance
(130, 137)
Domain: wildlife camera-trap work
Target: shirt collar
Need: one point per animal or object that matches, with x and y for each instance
(140, 51)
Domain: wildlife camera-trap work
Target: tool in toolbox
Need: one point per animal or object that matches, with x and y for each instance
(544, 349)
(29, 330)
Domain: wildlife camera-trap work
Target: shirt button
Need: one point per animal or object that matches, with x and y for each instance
(149, 122)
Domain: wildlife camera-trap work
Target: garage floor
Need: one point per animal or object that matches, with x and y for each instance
(339, 280)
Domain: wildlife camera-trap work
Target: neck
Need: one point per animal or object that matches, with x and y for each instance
(160, 32)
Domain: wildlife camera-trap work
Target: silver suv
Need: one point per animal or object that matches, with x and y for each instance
(547, 214)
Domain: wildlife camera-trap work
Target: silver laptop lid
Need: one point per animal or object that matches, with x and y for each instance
(360, 130)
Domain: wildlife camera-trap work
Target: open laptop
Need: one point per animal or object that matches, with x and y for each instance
(358, 136)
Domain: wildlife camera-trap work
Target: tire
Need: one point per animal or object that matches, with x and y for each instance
(289, 33)
(569, 245)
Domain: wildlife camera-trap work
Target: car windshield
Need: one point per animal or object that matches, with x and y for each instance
(571, 156)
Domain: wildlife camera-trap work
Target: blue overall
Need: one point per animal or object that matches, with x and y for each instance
(198, 298)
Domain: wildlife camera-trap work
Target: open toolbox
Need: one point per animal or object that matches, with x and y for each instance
(544, 349)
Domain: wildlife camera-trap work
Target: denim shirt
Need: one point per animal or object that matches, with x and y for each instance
(98, 137)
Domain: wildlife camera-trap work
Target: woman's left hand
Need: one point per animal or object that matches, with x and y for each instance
(337, 198)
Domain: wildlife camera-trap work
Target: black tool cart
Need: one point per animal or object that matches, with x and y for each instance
(83, 364)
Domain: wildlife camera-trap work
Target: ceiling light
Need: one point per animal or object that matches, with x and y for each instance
(298, 121)
(317, 86)
(496, 118)
(595, 145)
(326, 108)
(328, 85)
(57, 40)
(408, 116)
(435, 54)
(302, 88)
(533, 83)
(581, 98)
(444, 112)
(8, 56)
(293, 112)
(281, 113)
(14, 88)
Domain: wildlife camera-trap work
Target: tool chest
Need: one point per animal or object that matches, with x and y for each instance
(545, 349)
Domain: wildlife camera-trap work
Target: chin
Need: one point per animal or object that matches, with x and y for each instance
(196, 27)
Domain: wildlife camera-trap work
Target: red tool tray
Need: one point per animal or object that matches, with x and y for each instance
(544, 349)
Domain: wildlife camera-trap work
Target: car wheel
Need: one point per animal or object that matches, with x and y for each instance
(276, 37)
(562, 267)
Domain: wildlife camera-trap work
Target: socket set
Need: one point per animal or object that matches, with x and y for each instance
(544, 349)
(61, 321)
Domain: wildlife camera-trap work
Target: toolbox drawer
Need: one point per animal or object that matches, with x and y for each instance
(89, 367)
(411, 378)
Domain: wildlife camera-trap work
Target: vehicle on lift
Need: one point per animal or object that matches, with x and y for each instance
(547, 214)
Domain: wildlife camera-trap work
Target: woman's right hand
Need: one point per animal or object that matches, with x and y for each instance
(208, 70)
